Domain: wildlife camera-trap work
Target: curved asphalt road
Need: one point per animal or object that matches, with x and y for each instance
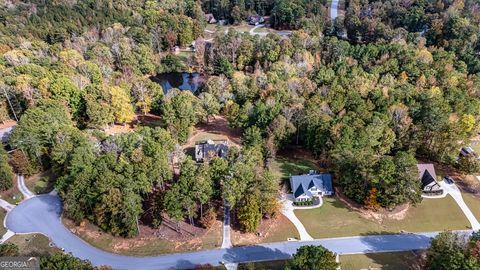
(41, 214)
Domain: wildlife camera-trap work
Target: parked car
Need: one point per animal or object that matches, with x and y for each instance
(448, 180)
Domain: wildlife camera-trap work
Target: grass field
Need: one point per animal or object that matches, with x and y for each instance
(284, 229)
(33, 244)
(284, 167)
(385, 261)
(268, 265)
(334, 219)
(3, 230)
(473, 203)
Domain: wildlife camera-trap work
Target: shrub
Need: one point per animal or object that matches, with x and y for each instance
(208, 219)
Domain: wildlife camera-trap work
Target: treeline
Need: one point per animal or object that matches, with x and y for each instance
(453, 25)
(366, 109)
(284, 14)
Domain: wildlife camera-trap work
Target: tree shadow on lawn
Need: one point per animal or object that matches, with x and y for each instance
(293, 166)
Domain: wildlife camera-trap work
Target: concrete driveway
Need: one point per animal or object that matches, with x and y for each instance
(41, 214)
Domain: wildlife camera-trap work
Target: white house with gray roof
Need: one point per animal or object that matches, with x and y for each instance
(308, 186)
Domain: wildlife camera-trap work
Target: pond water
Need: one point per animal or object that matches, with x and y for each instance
(181, 80)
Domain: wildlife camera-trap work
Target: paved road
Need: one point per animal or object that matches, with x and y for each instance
(41, 214)
(334, 10)
(27, 194)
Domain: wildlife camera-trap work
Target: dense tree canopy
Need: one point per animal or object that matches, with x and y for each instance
(367, 93)
(451, 250)
(313, 258)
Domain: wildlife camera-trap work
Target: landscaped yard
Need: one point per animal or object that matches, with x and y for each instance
(334, 219)
(33, 244)
(385, 261)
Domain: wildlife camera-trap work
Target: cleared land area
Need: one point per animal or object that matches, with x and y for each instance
(33, 244)
(278, 229)
(148, 245)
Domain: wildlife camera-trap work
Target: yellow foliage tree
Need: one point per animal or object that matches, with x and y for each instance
(121, 104)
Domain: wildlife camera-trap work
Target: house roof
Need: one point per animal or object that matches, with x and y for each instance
(4, 133)
(426, 173)
(302, 183)
(204, 148)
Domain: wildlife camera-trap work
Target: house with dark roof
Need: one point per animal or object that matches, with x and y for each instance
(210, 18)
(209, 149)
(309, 186)
(5, 133)
(255, 20)
(427, 175)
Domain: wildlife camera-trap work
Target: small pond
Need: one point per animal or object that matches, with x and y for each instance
(181, 80)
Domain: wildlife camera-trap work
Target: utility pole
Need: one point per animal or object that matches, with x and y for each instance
(10, 103)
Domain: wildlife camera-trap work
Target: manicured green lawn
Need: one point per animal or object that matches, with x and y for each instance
(386, 261)
(473, 203)
(3, 230)
(284, 167)
(268, 265)
(284, 229)
(334, 219)
(33, 244)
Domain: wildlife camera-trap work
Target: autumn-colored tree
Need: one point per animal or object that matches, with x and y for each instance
(208, 218)
(371, 201)
(121, 104)
(21, 164)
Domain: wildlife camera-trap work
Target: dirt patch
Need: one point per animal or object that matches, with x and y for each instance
(150, 241)
(115, 129)
(266, 229)
(7, 124)
(380, 215)
(216, 129)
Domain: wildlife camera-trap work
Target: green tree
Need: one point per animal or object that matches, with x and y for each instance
(37, 128)
(9, 250)
(313, 258)
(64, 261)
(178, 110)
(450, 250)
(209, 105)
(6, 172)
(248, 214)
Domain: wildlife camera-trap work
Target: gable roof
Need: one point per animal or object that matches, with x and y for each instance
(426, 173)
(204, 148)
(299, 192)
(301, 184)
(427, 179)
